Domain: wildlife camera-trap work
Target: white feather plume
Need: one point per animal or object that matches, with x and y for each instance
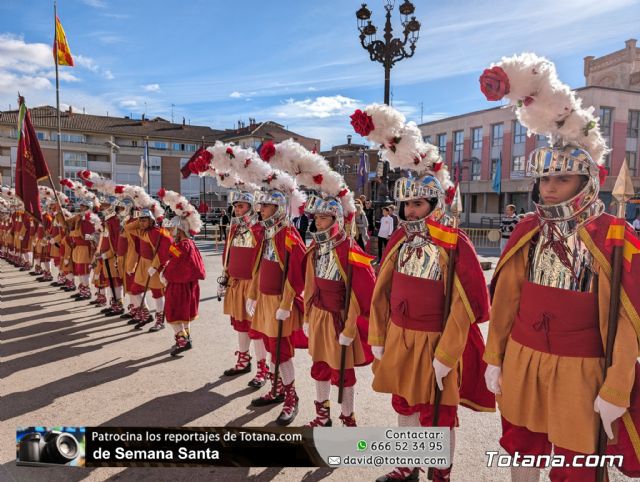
(547, 106)
(182, 208)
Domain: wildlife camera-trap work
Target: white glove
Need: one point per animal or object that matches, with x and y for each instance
(282, 314)
(221, 291)
(377, 351)
(493, 379)
(305, 328)
(104, 256)
(152, 271)
(345, 340)
(52, 241)
(440, 370)
(250, 306)
(609, 413)
(21, 238)
(88, 237)
(66, 261)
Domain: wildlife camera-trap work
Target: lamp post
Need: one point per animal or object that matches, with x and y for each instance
(388, 51)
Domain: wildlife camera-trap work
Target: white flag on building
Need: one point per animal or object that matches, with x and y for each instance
(142, 172)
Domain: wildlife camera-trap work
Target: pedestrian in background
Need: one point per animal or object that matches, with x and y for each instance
(386, 228)
(507, 225)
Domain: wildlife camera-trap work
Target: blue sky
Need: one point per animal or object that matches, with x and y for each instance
(296, 62)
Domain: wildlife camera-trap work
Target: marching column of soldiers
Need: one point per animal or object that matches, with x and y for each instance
(560, 364)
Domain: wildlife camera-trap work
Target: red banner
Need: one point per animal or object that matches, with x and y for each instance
(31, 166)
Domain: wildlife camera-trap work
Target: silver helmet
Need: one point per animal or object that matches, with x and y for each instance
(424, 187)
(565, 160)
(127, 205)
(329, 205)
(145, 213)
(245, 197)
(274, 197)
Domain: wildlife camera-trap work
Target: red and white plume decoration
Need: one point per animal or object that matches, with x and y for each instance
(229, 179)
(47, 195)
(94, 220)
(80, 191)
(95, 181)
(182, 208)
(252, 170)
(401, 143)
(311, 171)
(543, 103)
(10, 194)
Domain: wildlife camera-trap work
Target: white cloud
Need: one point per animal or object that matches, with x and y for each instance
(108, 75)
(86, 62)
(320, 107)
(151, 88)
(128, 103)
(235, 94)
(95, 3)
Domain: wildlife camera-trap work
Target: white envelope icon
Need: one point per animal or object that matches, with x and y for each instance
(334, 460)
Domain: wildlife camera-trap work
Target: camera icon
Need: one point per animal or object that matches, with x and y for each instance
(53, 447)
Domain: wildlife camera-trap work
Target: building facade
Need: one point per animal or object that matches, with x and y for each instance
(474, 143)
(114, 146)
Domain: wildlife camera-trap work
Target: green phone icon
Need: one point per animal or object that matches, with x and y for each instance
(362, 445)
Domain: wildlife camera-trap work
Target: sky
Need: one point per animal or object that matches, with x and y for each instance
(299, 63)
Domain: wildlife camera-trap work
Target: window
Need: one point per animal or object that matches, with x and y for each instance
(159, 145)
(476, 133)
(634, 122)
(97, 158)
(41, 136)
(605, 120)
(75, 159)
(475, 169)
(631, 158)
(66, 137)
(518, 163)
(496, 135)
(519, 133)
(134, 143)
(191, 147)
(155, 163)
(427, 139)
(458, 145)
(178, 147)
(607, 158)
(474, 203)
(442, 145)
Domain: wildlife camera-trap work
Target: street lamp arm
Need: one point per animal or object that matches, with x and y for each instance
(376, 50)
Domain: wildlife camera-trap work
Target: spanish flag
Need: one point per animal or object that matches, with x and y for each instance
(617, 236)
(289, 241)
(64, 54)
(442, 235)
(358, 258)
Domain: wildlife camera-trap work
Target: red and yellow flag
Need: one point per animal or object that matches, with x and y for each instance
(64, 53)
(442, 235)
(289, 240)
(358, 258)
(616, 237)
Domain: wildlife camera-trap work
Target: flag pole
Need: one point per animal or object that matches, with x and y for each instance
(146, 161)
(55, 58)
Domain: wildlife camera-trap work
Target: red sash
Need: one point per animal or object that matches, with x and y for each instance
(240, 262)
(270, 277)
(417, 303)
(558, 321)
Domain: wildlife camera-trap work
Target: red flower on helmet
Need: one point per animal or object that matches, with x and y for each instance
(179, 206)
(494, 83)
(267, 151)
(437, 166)
(162, 193)
(84, 174)
(247, 162)
(343, 192)
(89, 184)
(119, 189)
(602, 174)
(318, 178)
(362, 122)
(301, 209)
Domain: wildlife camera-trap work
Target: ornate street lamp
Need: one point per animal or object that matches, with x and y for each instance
(390, 50)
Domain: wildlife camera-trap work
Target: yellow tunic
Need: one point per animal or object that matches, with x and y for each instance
(406, 368)
(550, 393)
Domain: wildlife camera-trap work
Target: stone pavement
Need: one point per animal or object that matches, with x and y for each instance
(63, 363)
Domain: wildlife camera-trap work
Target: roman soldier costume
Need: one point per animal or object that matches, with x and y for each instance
(551, 293)
(415, 355)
